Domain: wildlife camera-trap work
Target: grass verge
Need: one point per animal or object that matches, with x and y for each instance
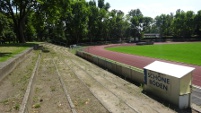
(7, 51)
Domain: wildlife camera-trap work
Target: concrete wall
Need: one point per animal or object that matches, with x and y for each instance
(102, 63)
(127, 72)
(8, 66)
(95, 60)
(137, 75)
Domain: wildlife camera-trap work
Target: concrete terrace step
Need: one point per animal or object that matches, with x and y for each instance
(8, 66)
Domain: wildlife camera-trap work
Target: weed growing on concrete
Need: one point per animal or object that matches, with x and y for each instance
(37, 105)
(5, 102)
(17, 106)
(35, 99)
(141, 86)
(88, 85)
(37, 89)
(53, 88)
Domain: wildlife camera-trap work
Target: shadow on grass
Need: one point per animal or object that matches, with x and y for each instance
(4, 54)
(7, 55)
(19, 45)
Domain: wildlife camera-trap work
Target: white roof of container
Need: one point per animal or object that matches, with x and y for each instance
(174, 70)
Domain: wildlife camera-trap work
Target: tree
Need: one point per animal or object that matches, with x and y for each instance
(107, 6)
(190, 25)
(93, 20)
(6, 24)
(197, 22)
(39, 21)
(116, 25)
(101, 4)
(78, 23)
(183, 25)
(18, 11)
(135, 12)
(147, 24)
(169, 24)
(136, 20)
(178, 23)
(163, 24)
(102, 25)
(30, 30)
(51, 20)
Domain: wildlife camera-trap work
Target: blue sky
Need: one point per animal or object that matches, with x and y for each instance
(152, 8)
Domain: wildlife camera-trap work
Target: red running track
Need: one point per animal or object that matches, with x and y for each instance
(138, 61)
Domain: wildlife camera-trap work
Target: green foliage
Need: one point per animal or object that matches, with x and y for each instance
(163, 24)
(100, 3)
(117, 25)
(75, 21)
(78, 24)
(6, 32)
(18, 11)
(30, 30)
(136, 19)
(183, 24)
(147, 24)
(198, 23)
(93, 16)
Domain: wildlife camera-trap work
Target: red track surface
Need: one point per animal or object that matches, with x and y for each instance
(138, 61)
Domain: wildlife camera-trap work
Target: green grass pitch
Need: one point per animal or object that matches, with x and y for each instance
(189, 53)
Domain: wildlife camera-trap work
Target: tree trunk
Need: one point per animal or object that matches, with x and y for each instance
(21, 35)
(20, 31)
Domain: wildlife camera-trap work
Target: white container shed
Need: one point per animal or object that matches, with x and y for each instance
(169, 81)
